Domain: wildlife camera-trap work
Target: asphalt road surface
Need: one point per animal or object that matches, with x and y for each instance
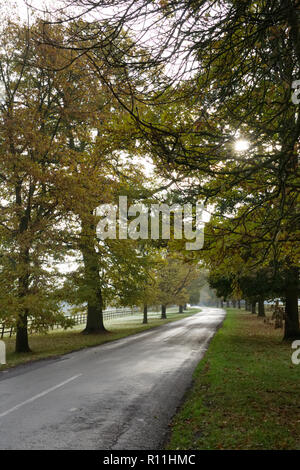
(120, 395)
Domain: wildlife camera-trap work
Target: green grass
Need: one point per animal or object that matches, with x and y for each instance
(56, 343)
(246, 392)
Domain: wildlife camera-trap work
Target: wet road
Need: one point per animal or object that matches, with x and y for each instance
(120, 395)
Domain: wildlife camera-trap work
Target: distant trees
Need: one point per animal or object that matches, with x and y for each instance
(175, 276)
(195, 288)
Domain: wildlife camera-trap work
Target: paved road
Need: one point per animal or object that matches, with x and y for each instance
(121, 395)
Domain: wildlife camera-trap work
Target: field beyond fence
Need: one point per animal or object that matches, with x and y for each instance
(78, 319)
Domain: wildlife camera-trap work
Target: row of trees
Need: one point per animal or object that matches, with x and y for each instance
(241, 269)
(85, 96)
(67, 147)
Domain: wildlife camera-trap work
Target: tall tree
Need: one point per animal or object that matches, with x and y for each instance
(34, 155)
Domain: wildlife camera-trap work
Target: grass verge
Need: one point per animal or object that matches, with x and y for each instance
(56, 343)
(246, 392)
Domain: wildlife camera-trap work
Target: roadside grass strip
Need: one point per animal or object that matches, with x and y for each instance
(246, 392)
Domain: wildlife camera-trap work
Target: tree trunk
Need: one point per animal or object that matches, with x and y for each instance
(92, 279)
(22, 344)
(253, 307)
(180, 309)
(291, 329)
(163, 312)
(261, 308)
(94, 322)
(185, 307)
(145, 318)
(239, 304)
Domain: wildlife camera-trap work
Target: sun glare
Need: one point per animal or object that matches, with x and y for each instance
(241, 145)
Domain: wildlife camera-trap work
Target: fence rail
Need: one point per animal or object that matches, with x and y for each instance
(79, 319)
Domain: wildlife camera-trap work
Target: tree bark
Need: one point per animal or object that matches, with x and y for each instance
(163, 312)
(261, 307)
(22, 343)
(239, 304)
(145, 317)
(94, 322)
(180, 309)
(92, 280)
(253, 307)
(291, 328)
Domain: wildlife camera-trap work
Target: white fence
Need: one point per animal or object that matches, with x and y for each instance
(79, 319)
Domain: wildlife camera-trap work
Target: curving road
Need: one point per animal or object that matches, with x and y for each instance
(120, 395)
